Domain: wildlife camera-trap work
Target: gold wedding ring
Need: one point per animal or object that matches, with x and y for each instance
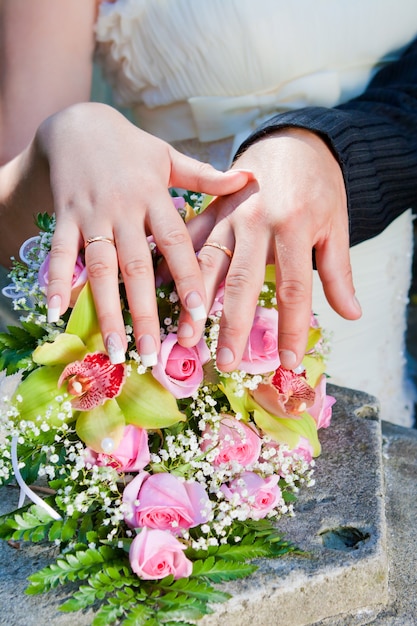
(99, 238)
(219, 246)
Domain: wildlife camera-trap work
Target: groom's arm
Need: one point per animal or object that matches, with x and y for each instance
(374, 138)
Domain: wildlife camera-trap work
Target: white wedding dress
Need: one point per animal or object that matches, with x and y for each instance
(202, 74)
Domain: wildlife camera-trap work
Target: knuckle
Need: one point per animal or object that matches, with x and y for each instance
(142, 321)
(173, 237)
(59, 250)
(109, 321)
(291, 292)
(99, 269)
(233, 331)
(136, 267)
(238, 280)
(206, 260)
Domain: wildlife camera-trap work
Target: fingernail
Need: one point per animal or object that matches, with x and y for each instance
(54, 309)
(288, 359)
(147, 351)
(224, 356)
(115, 349)
(185, 330)
(195, 307)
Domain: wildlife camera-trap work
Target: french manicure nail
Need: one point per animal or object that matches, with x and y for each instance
(288, 359)
(115, 350)
(54, 309)
(195, 307)
(148, 355)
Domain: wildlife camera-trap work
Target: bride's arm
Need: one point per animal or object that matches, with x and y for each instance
(102, 176)
(46, 50)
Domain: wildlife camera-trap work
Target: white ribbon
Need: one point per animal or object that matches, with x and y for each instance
(25, 490)
(209, 118)
(217, 117)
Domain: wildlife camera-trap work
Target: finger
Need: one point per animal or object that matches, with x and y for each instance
(191, 174)
(135, 261)
(335, 271)
(199, 228)
(173, 241)
(65, 245)
(243, 283)
(214, 258)
(294, 276)
(102, 270)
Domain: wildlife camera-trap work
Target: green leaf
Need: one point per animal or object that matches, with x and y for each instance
(69, 567)
(107, 614)
(199, 589)
(17, 345)
(219, 571)
(137, 616)
(44, 222)
(31, 524)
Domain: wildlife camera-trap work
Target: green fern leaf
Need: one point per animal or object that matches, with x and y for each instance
(219, 571)
(199, 589)
(108, 614)
(139, 615)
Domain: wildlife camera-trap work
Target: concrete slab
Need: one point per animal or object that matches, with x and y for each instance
(340, 523)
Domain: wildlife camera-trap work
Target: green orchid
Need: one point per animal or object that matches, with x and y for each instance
(286, 429)
(76, 381)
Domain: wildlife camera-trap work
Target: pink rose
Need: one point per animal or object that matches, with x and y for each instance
(131, 455)
(178, 202)
(235, 441)
(261, 351)
(179, 369)
(322, 407)
(304, 449)
(286, 394)
(79, 277)
(155, 554)
(165, 502)
(261, 494)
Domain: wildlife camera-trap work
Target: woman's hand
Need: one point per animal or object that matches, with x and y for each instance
(296, 204)
(108, 179)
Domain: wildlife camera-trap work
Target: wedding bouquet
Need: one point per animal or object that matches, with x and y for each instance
(157, 483)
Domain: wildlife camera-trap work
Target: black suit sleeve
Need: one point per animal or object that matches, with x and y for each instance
(374, 138)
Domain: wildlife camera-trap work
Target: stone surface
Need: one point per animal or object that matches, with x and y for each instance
(345, 506)
(331, 579)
